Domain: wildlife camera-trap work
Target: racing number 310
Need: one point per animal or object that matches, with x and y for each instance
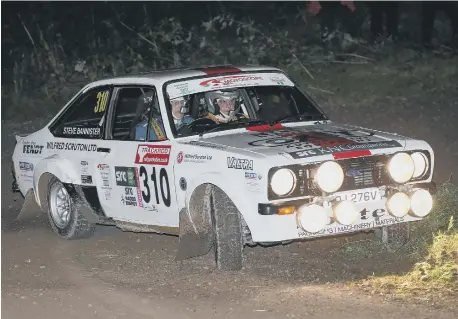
(163, 179)
(102, 99)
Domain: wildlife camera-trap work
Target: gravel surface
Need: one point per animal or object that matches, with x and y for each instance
(119, 274)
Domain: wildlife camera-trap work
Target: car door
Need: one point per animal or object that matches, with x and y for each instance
(78, 137)
(137, 171)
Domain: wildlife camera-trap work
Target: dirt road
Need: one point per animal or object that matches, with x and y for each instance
(127, 275)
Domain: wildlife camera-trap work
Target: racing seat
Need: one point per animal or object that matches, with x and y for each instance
(197, 106)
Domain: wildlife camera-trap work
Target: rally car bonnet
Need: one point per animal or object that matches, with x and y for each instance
(308, 141)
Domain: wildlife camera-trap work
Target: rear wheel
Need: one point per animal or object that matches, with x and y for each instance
(227, 230)
(394, 236)
(65, 219)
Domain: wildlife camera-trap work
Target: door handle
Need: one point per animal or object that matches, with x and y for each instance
(103, 149)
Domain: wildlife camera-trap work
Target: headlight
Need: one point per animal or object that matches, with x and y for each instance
(401, 167)
(329, 177)
(421, 164)
(283, 182)
(421, 202)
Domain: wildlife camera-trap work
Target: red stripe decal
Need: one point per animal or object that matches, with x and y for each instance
(219, 70)
(351, 154)
(263, 128)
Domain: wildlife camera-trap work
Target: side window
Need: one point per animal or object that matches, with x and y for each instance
(137, 115)
(85, 117)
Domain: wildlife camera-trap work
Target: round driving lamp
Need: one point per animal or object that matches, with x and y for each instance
(283, 182)
(329, 176)
(398, 204)
(420, 163)
(421, 202)
(401, 167)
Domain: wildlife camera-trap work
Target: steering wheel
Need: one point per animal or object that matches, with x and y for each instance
(198, 125)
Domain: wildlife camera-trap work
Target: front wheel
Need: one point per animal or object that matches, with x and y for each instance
(65, 219)
(227, 230)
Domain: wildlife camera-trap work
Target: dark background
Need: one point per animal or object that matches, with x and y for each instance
(48, 47)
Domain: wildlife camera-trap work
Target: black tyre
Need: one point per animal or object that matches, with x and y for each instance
(63, 216)
(227, 230)
(394, 236)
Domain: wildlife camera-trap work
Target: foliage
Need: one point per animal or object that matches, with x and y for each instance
(434, 246)
(48, 55)
(49, 66)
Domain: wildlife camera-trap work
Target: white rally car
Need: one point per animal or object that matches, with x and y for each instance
(223, 157)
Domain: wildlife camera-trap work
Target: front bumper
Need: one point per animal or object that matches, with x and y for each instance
(371, 214)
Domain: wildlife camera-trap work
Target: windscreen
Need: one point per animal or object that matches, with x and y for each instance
(233, 101)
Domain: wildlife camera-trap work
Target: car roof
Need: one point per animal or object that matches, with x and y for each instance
(165, 75)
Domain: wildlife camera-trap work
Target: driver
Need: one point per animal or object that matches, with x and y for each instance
(224, 106)
(178, 112)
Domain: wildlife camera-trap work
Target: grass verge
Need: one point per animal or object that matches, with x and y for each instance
(433, 247)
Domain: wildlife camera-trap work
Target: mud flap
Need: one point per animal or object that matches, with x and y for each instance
(30, 207)
(196, 232)
(81, 203)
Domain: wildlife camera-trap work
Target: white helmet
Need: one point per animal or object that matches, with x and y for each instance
(214, 96)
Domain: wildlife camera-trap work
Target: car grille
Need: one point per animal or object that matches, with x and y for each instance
(364, 172)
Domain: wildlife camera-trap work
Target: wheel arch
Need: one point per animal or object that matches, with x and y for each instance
(47, 168)
(214, 179)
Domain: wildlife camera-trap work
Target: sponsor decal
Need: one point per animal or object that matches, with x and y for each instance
(183, 184)
(107, 193)
(26, 177)
(239, 163)
(139, 190)
(86, 179)
(252, 181)
(104, 170)
(230, 80)
(153, 155)
(278, 79)
(343, 148)
(180, 157)
(214, 146)
(84, 167)
(301, 143)
(193, 158)
(25, 166)
(251, 176)
(352, 228)
(31, 148)
(369, 218)
(225, 81)
(183, 87)
(64, 146)
(128, 197)
(82, 131)
(125, 176)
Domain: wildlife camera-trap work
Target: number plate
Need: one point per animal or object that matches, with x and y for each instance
(367, 195)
